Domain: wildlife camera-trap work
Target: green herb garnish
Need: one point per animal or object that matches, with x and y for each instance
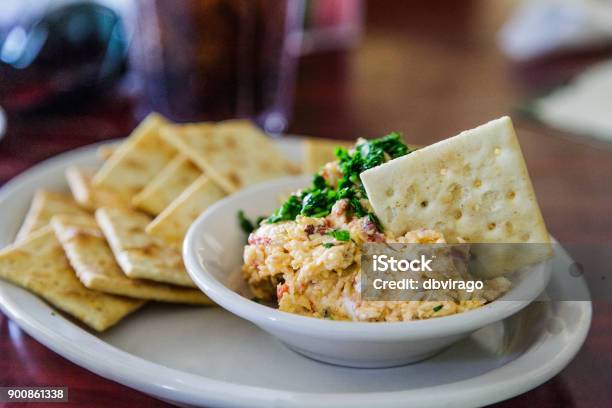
(437, 308)
(340, 235)
(288, 211)
(368, 155)
(328, 245)
(317, 200)
(247, 225)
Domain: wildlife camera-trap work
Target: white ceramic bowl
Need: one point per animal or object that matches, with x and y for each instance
(213, 256)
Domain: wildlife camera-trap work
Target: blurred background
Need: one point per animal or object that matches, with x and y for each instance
(74, 72)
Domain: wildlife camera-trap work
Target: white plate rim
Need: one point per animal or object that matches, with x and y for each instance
(178, 386)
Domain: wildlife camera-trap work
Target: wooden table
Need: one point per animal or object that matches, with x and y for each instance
(428, 69)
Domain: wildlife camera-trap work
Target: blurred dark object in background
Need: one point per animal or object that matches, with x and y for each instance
(332, 25)
(217, 59)
(69, 54)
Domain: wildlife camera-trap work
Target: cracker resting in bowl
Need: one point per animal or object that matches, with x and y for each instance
(474, 186)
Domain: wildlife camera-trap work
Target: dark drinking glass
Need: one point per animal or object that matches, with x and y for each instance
(217, 59)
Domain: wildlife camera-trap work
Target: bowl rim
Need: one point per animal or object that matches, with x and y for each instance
(274, 319)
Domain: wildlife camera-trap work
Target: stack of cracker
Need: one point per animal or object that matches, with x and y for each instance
(114, 244)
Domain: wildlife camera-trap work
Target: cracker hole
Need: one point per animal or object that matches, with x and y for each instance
(477, 183)
(525, 237)
(509, 227)
(455, 191)
(458, 214)
(491, 226)
(389, 192)
(424, 203)
(510, 195)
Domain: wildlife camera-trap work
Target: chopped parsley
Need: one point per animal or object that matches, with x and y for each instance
(437, 308)
(340, 235)
(288, 211)
(317, 200)
(247, 225)
(328, 245)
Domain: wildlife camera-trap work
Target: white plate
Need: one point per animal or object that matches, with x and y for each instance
(208, 357)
